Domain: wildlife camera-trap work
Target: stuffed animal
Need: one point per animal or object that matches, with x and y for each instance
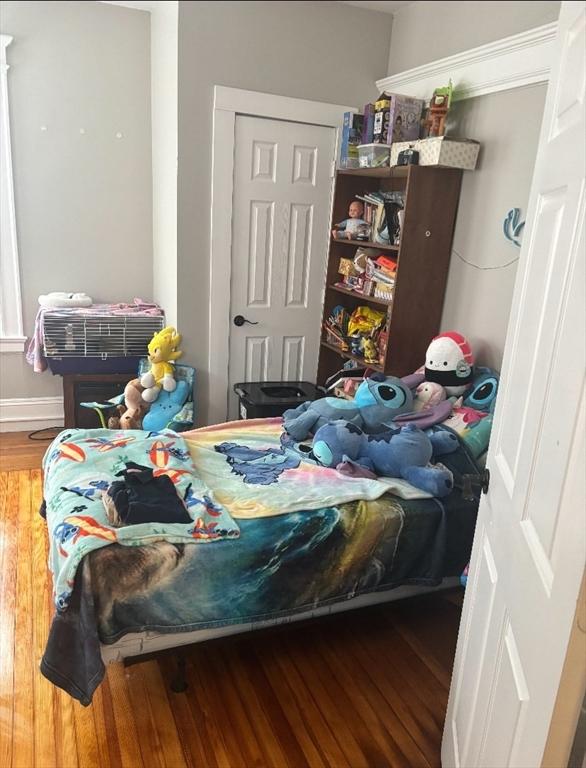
(428, 394)
(483, 390)
(449, 361)
(162, 354)
(376, 402)
(402, 452)
(166, 407)
(130, 415)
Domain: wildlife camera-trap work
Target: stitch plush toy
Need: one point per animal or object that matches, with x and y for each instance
(402, 452)
(162, 355)
(376, 403)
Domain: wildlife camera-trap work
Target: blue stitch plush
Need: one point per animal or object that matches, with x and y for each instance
(166, 407)
(378, 400)
(400, 452)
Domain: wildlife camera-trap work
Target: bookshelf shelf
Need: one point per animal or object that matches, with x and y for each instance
(360, 296)
(365, 244)
(413, 316)
(360, 360)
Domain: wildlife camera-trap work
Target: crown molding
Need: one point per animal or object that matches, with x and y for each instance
(502, 65)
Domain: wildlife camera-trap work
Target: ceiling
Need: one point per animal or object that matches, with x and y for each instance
(386, 6)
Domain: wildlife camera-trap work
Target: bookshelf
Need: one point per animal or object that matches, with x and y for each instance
(423, 258)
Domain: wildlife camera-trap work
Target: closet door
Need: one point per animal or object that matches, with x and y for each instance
(282, 185)
(529, 547)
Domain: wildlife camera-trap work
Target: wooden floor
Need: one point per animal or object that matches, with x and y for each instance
(363, 688)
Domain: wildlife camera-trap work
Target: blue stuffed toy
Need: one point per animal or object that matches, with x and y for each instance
(377, 401)
(166, 407)
(403, 452)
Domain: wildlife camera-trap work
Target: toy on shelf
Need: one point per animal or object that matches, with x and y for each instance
(354, 227)
(396, 118)
(439, 106)
(336, 328)
(163, 352)
(370, 351)
(403, 452)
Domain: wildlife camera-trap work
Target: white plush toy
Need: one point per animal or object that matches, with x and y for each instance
(449, 362)
(65, 300)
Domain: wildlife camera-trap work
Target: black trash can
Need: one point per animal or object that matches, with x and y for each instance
(260, 399)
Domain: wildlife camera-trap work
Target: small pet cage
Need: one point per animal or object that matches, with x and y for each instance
(91, 341)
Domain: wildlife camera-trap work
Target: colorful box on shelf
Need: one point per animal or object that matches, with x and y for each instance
(347, 267)
(443, 151)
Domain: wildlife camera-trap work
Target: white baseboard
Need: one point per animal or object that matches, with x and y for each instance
(19, 414)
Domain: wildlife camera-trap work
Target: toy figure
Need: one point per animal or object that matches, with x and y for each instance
(130, 415)
(354, 226)
(369, 351)
(162, 354)
(438, 110)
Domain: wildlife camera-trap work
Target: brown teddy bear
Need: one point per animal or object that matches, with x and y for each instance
(130, 414)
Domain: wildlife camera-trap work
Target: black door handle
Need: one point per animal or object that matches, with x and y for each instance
(240, 320)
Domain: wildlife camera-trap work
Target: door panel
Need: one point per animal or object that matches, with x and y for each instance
(530, 543)
(280, 229)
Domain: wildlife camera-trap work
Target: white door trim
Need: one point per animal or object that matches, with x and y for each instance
(229, 102)
(511, 62)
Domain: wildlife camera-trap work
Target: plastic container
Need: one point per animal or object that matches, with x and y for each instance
(373, 155)
(261, 399)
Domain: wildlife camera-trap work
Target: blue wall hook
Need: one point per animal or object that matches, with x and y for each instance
(513, 226)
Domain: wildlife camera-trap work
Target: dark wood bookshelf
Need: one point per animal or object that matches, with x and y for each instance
(423, 258)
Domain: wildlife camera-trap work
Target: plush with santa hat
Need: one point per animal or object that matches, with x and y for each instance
(449, 362)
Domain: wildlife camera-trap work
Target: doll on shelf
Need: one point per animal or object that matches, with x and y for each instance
(354, 227)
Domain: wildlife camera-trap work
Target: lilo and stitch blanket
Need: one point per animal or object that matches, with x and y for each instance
(79, 467)
(256, 471)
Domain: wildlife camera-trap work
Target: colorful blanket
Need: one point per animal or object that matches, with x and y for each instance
(254, 473)
(78, 468)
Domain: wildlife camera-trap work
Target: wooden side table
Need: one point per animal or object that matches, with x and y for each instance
(84, 387)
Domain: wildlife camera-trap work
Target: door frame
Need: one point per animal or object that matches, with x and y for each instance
(228, 103)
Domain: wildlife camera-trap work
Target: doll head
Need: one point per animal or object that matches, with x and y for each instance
(356, 210)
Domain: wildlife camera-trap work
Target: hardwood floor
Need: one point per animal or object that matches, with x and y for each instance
(364, 688)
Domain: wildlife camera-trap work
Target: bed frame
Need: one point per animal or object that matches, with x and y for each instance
(141, 646)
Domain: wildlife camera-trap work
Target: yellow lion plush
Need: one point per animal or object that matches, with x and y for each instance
(162, 355)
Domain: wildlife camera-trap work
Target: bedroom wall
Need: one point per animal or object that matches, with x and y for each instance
(83, 201)
(478, 298)
(323, 51)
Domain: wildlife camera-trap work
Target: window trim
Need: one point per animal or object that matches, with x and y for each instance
(12, 337)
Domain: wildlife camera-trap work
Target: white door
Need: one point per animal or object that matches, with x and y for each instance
(280, 227)
(529, 547)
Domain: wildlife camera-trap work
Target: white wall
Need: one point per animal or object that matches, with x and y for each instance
(428, 30)
(83, 201)
(478, 300)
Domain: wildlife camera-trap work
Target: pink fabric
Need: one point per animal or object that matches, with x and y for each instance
(34, 351)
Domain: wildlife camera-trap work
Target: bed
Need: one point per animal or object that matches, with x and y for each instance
(295, 540)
